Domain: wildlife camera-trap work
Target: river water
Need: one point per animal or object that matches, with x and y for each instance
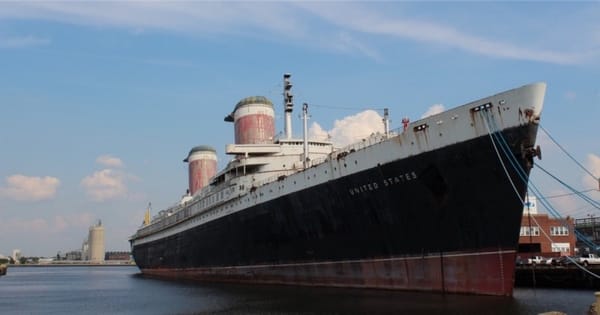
(122, 290)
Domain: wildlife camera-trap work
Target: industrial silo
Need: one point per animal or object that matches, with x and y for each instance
(96, 243)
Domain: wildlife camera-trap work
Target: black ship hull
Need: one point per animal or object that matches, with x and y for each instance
(446, 220)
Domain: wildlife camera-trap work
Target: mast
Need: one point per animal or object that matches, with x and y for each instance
(147, 215)
(305, 121)
(386, 122)
(288, 104)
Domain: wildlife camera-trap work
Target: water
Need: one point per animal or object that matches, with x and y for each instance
(122, 290)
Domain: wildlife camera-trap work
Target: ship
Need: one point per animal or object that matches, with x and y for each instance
(433, 205)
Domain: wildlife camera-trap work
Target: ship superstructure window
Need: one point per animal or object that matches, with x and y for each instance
(559, 231)
(530, 231)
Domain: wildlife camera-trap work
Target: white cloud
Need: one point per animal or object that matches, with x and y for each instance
(25, 188)
(315, 23)
(566, 205)
(19, 225)
(361, 19)
(78, 220)
(105, 184)
(181, 17)
(41, 226)
(434, 109)
(593, 165)
(317, 132)
(346, 43)
(109, 183)
(109, 161)
(22, 41)
(350, 129)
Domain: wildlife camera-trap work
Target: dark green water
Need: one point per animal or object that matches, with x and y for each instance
(122, 290)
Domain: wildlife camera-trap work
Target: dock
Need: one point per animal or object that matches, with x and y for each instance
(564, 277)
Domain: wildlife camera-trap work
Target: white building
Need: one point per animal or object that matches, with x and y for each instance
(16, 255)
(85, 250)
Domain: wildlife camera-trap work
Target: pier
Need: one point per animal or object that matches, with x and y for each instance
(564, 277)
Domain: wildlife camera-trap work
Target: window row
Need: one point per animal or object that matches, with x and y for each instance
(535, 231)
(530, 231)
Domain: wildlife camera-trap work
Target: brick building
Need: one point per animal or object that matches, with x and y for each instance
(117, 256)
(542, 235)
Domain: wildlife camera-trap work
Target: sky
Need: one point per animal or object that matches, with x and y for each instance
(101, 101)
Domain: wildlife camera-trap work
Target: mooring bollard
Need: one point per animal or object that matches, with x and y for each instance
(596, 308)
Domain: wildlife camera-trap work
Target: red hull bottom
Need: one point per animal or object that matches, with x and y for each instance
(487, 273)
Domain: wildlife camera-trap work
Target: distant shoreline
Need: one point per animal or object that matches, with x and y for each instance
(108, 264)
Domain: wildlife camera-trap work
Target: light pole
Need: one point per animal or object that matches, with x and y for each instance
(593, 223)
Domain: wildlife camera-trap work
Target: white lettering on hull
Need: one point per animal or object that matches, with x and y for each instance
(388, 181)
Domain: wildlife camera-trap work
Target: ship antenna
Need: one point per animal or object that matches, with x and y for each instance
(288, 104)
(305, 121)
(386, 122)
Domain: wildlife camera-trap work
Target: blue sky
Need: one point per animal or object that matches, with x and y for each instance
(100, 102)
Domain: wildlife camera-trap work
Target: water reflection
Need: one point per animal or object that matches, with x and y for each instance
(122, 290)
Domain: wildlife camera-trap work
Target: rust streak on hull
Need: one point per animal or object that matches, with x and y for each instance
(490, 273)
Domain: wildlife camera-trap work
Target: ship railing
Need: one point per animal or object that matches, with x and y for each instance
(281, 176)
(394, 132)
(356, 146)
(166, 219)
(318, 161)
(267, 180)
(181, 212)
(281, 136)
